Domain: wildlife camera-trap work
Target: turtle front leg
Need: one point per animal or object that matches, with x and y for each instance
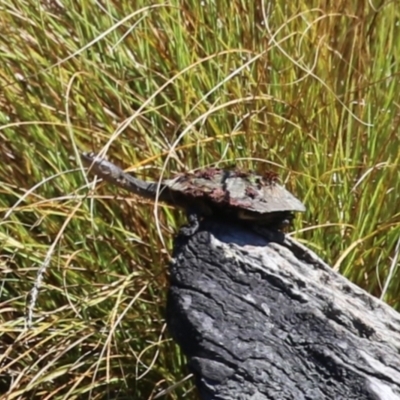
(193, 223)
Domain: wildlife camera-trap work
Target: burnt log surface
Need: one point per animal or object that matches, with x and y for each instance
(262, 317)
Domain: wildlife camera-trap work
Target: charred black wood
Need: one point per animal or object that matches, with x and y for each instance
(263, 317)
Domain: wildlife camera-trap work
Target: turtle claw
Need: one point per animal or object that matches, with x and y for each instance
(193, 224)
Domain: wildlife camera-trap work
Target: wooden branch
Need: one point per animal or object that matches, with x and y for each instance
(265, 318)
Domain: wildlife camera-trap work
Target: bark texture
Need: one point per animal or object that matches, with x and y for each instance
(262, 317)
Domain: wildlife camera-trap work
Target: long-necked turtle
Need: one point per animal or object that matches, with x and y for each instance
(231, 194)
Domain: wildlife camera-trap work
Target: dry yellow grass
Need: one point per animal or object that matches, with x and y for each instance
(308, 89)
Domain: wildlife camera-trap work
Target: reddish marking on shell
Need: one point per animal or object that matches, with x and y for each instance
(218, 195)
(207, 173)
(270, 177)
(239, 203)
(241, 174)
(251, 192)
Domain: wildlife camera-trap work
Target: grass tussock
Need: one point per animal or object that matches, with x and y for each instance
(310, 90)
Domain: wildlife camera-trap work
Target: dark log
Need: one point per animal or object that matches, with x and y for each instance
(265, 318)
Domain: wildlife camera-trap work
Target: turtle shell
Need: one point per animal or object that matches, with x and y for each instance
(236, 190)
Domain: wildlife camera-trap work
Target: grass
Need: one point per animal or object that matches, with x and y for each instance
(310, 90)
